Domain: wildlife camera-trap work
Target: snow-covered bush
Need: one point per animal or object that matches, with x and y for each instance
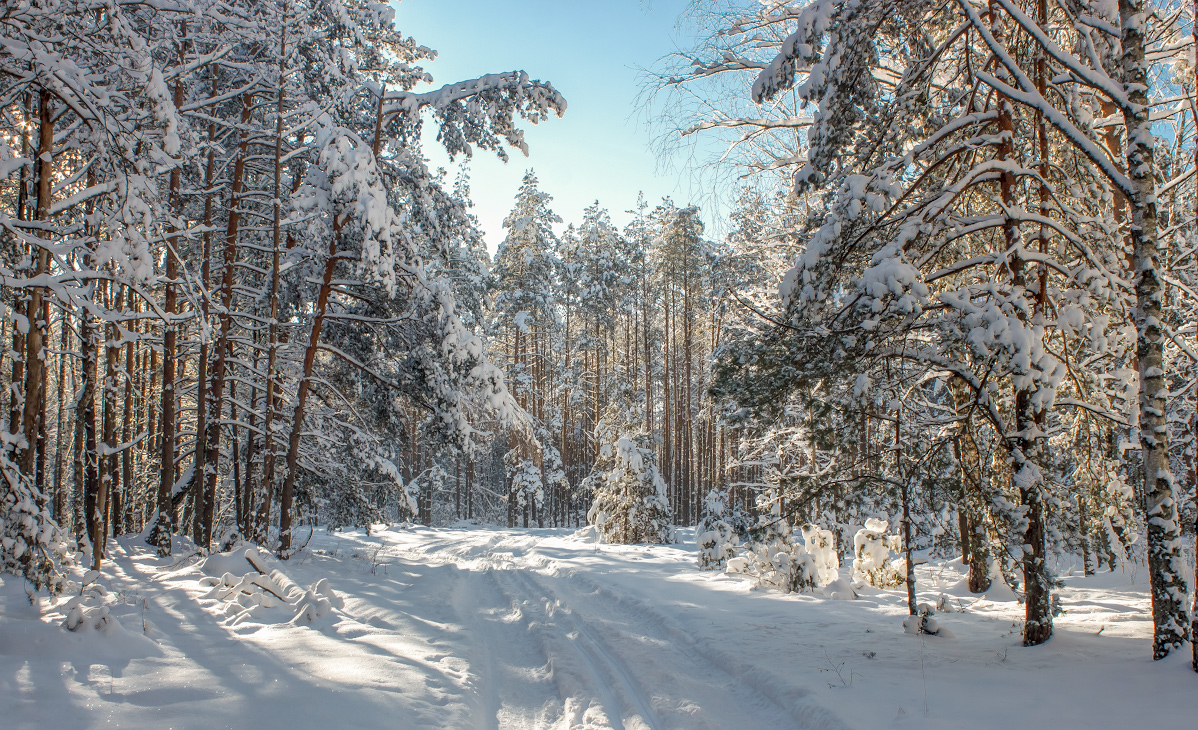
(924, 623)
(821, 545)
(91, 609)
(715, 535)
(872, 547)
(776, 560)
(630, 503)
(31, 543)
(791, 570)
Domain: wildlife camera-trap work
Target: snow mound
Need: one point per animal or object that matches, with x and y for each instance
(253, 590)
(90, 611)
(840, 590)
(590, 533)
(821, 545)
(86, 624)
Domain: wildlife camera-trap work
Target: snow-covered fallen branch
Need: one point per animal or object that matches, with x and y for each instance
(252, 589)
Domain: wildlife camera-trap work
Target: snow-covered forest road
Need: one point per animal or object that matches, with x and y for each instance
(557, 649)
(490, 629)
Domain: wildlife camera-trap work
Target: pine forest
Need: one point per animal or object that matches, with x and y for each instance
(892, 388)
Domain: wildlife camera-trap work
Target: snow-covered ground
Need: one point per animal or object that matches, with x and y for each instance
(487, 628)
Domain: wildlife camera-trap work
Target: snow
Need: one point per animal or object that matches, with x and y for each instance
(871, 548)
(469, 627)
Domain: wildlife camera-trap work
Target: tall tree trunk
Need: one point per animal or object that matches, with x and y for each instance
(206, 498)
(108, 463)
(127, 495)
(301, 396)
(667, 421)
(688, 416)
(905, 495)
(15, 399)
(61, 507)
(246, 526)
(268, 434)
(13, 390)
(1165, 563)
(40, 467)
(648, 357)
(199, 464)
(235, 457)
(151, 412)
(1083, 513)
(979, 546)
(165, 526)
(87, 402)
(1030, 420)
(1024, 446)
(34, 361)
(79, 513)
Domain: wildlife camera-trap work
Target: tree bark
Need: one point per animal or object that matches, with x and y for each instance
(91, 476)
(301, 397)
(108, 463)
(126, 521)
(1167, 581)
(1024, 445)
(40, 465)
(246, 524)
(206, 497)
(13, 389)
(165, 526)
(34, 361)
(61, 507)
(268, 435)
(905, 495)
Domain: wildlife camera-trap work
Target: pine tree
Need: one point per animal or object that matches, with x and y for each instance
(919, 226)
(524, 313)
(162, 189)
(629, 503)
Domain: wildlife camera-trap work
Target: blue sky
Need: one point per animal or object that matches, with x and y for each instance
(589, 50)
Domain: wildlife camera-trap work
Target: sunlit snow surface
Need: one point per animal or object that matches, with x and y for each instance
(484, 628)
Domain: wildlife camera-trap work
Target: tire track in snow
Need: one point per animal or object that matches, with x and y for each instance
(696, 684)
(789, 704)
(692, 691)
(635, 711)
(482, 657)
(796, 702)
(642, 701)
(513, 671)
(696, 692)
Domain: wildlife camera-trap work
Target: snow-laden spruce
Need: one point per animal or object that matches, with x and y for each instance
(628, 503)
(716, 535)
